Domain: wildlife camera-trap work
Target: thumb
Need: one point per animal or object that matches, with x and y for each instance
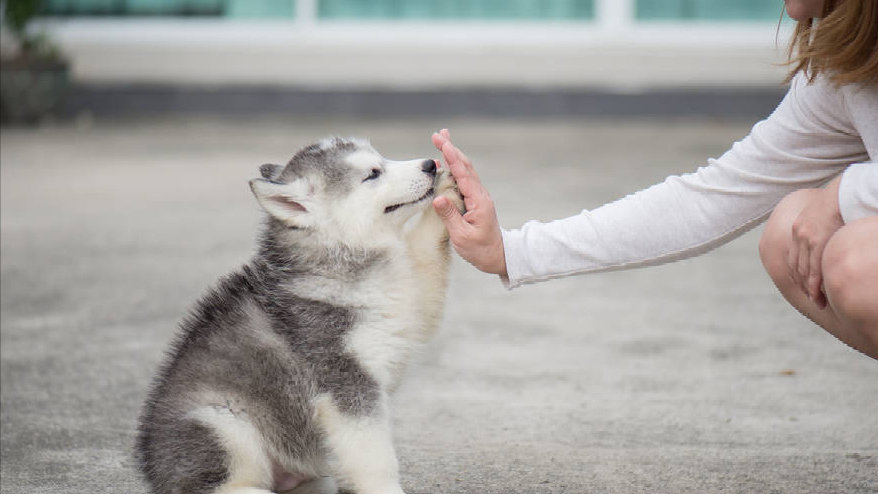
(449, 214)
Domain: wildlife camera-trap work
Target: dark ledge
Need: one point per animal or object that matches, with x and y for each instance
(131, 100)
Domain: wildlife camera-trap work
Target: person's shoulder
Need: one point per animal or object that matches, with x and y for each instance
(860, 94)
(822, 87)
(848, 108)
(818, 87)
(819, 98)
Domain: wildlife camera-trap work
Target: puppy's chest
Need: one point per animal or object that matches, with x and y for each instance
(388, 309)
(387, 320)
(387, 327)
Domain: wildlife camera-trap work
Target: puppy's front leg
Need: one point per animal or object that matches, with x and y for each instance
(428, 244)
(430, 234)
(363, 448)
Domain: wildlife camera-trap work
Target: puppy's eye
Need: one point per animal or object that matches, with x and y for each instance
(373, 174)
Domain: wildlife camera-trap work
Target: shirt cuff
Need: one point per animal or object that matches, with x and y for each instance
(512, 241)
(857, 191)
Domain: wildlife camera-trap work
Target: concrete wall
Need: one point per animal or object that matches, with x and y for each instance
(418, 56)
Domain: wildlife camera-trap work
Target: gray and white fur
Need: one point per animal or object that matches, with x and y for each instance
(279, 378)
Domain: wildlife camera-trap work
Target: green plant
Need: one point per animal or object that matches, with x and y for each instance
(18, 15)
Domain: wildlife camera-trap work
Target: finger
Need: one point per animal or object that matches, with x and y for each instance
(472, 206)
(822, 297)
(472, 216)
(471, 189)
(792, 259)
(462, 157)
(814, 281)
(456, 165)
(439, 139)
(450, 216)
(815, 293)
(456, 159)
(450, 152)
(803, 268)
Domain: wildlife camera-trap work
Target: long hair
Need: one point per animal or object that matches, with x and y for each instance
(841, 45)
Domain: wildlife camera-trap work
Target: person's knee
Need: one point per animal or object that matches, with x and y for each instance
(776, 239)
(838, 266)
(849, 270)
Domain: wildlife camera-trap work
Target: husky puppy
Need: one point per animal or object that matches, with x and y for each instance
(279, 379)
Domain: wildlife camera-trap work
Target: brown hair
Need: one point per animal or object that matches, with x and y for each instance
(842, 45)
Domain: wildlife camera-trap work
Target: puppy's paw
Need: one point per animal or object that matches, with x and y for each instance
(446, 187)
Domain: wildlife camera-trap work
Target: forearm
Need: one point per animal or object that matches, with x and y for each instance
(803, 144)
(682, 217)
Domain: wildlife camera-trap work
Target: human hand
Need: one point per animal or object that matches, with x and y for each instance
(811, 231)
(476, 236)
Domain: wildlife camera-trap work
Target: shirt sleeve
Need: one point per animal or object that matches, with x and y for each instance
(857, 191)
(805, 142)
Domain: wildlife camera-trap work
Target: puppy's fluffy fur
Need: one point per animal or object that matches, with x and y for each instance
(279, 379)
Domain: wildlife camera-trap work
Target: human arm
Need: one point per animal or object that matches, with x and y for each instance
(803, 144)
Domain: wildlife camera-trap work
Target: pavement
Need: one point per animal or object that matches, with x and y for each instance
(693, 377)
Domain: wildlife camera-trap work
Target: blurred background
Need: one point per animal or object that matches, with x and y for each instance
(131, 129)
(417, 56)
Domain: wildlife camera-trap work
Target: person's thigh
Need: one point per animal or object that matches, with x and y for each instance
(774, 245)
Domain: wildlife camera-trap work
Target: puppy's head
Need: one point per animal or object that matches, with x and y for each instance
(344, 190)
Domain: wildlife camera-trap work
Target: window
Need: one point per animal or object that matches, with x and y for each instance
(463, 10)
(198, 8)
(457, 9)
(334, 9)
(708, 10)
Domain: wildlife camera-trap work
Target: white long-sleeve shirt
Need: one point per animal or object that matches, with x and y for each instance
(815, 133)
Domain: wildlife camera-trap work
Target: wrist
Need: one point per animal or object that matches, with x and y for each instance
(499, 266)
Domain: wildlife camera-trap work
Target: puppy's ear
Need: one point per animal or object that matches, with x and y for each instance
(270, 171)
(288, 202)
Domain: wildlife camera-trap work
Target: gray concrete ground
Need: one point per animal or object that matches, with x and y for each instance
(691, 377)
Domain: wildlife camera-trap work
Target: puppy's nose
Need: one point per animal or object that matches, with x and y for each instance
(429, 166)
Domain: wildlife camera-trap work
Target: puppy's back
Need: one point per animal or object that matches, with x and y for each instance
(229, 360)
